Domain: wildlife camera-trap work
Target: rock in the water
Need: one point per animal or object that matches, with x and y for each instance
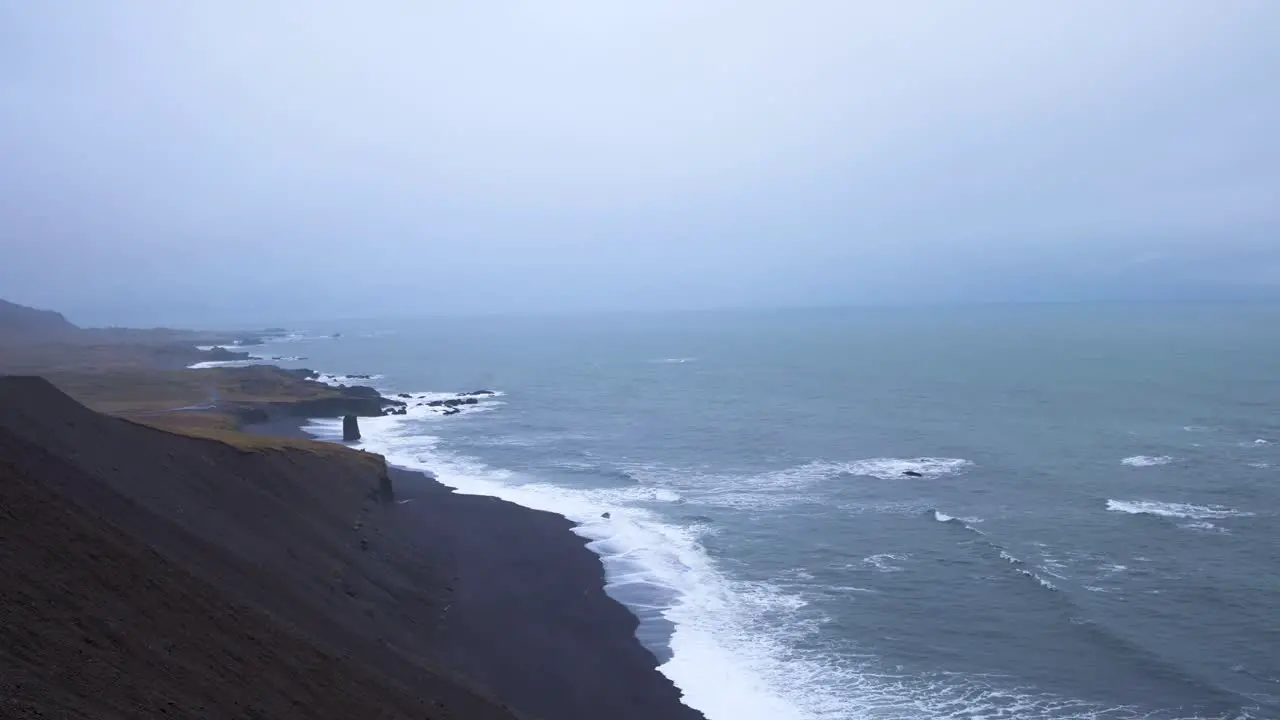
(350, 428)
(913, 473)
(403, 395)
(604, 515)
(477, 393)
(452, 411)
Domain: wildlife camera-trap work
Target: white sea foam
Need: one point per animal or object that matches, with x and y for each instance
(785, 487)
(222, 363)
(1174, 510)
(1043, 583)
(883, 562)
(349, 380)
(943, 517)
(734, 643)
(717, 621)
(673, 361)
(1202, 525)
(1147, 460)
(894, 468)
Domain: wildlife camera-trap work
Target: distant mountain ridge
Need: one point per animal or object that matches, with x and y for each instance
(19, 323)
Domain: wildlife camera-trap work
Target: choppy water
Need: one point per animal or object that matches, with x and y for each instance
(1090, 530)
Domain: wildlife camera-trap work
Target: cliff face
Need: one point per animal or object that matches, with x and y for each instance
(19, 323)
(149, 573)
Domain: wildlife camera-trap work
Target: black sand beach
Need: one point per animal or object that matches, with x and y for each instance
(526, 616)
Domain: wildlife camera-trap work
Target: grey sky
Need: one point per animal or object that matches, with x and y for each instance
(165, 161)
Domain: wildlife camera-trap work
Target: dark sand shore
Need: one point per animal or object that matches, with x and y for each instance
(526, 615)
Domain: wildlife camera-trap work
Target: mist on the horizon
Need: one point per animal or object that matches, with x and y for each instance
(207, 162)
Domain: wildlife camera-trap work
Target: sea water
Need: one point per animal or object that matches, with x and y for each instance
(987, 512)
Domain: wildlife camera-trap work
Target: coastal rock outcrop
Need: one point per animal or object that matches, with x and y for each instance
(350, 428)
(453, 402)
(222, 354)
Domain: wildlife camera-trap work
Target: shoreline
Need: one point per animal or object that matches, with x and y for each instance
(529, 618)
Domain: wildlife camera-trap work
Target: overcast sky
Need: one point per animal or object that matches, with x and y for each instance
(211, 161)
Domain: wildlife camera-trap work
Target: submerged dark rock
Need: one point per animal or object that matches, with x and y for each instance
(350, 428)
(403, 395)
(912, 473)
(476, 393)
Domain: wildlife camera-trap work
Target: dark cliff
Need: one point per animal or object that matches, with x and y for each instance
(19, 323)
(210, 573)
(151, 574)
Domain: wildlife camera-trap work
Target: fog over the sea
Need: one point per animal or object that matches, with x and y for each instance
(185, 162)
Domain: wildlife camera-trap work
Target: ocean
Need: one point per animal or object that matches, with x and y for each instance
(1042, 511)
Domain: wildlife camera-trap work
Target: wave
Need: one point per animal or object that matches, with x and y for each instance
(894, 468)
(945, 518)
(1021, 568)
(786, 487)
(731, 645)
(1203, 525)
(660, 570)
(1184, 511)
(1146, 460)
(673, 361)
(882, 562)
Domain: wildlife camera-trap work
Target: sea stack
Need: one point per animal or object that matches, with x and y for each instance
(350, 428)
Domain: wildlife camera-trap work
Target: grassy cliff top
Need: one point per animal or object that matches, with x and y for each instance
(128, 391)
